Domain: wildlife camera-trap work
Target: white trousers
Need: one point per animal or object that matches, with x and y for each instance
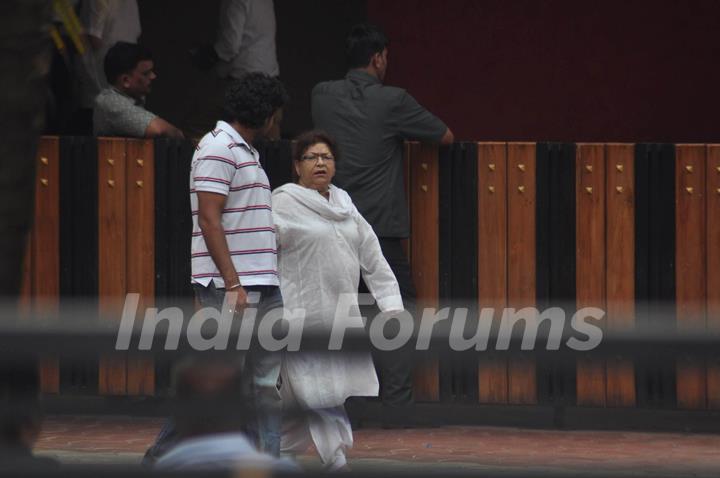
(328, 429)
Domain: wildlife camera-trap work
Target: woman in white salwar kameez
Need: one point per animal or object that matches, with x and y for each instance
(324, 245)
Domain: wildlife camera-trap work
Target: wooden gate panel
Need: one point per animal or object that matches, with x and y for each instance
(522, 383)
(590, 260)
(112, 258)
(620, 259)
(690, 268)
(140, 266)
(712, 177)
(46, 248)
(424, 193)
(492, 261)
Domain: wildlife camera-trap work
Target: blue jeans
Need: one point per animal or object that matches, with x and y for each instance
(262, 372)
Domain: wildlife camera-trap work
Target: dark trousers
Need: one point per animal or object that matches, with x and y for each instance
(394, 368)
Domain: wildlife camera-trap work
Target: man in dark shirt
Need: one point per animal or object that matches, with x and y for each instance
(119, 108)
(370, 121)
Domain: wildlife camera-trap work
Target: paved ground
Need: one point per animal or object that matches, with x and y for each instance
(92, 439)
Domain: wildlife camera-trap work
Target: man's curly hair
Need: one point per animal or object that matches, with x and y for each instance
(253, 99)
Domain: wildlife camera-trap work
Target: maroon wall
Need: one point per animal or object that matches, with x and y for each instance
(561, 70)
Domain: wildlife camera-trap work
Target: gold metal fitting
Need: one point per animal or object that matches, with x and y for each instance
(588, 190)
(491, 166)
(44, 160)
(521, 189)
(689, 168)
(491, 189)
(140, 162)
(619, 189)
(139, 184)
(111, 162)
(521, 167)
(619, 167)
(111, 183)
(44, 182)
(424, 188)
(689, 189)
(588, 168)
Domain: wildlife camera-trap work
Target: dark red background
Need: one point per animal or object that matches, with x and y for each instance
(560, 70)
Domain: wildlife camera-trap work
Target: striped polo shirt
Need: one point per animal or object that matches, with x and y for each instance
(226, 164)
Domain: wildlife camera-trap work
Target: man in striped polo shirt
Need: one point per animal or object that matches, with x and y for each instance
(233, 243)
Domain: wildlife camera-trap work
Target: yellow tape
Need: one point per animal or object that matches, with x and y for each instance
(57, 39)
(67, 15)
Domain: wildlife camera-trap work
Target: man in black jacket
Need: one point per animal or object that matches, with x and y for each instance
(370, 121)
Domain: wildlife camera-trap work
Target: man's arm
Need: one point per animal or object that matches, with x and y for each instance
(210, 207)
(160, 127)
(414, 122)
(230, 28)
(95, 15)
(448, 137)
(231, 25)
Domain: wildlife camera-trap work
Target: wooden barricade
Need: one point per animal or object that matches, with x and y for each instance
(492, 260)
(41, 280)
(696, 217)
(605, 265)
(599, 224)
(620, 267)
(112, 243)
(126, 245)
(423, 197)
(591, 262)
(712, 176)
(521, 280)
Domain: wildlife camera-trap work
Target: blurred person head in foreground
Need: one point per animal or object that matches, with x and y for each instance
(20, 415)
(211, 414)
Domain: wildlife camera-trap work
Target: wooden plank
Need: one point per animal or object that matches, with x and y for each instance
(46, 248)
(492, 261)
(25, 301)
(690, 272)
(620, 260)
(521, 289)
(590, 262)
(713, 267)
(46, 230)
(424, 190)
(140, 265)
(112, 240)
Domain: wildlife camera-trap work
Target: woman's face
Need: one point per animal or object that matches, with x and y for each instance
(316, 167)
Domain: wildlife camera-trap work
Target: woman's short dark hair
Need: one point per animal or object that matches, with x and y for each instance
(304, 140)
(122, 58)
(253, 99)
(362, 43)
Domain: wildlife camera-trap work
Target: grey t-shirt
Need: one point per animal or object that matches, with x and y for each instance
(369, 121)
(117, 114)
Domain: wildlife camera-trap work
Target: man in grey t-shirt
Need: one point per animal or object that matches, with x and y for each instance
(370, 121)
(119, 108)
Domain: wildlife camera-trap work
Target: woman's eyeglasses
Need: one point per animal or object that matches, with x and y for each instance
(316, 156)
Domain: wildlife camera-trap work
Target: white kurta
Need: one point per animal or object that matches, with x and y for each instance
(323, 247)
